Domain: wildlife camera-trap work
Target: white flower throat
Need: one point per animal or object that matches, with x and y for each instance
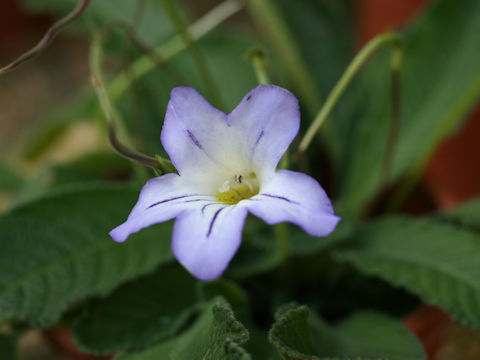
(241, 186)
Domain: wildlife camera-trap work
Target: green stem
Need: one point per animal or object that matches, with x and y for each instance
(175, 45)
(259, 63)
(111, 114)
(192, 46)
(396, 65)
(257, 57)
(269, 19)
(390, 39)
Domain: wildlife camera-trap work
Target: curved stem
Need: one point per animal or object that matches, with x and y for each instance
(47, 38)
(390, 39)
(111, 115)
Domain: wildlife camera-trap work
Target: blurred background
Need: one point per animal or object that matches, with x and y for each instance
(47, 110)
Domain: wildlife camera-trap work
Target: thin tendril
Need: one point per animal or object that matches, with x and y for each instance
(47, 38)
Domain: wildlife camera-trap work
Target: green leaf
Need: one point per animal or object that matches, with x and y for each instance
(298, 334)
(154, 27)
(98, 166)
(435, 95)
(435, 261)
(216, 335)
(8, 347)
(57, 251)
(466, 215)
(9, 180)
(139, 313)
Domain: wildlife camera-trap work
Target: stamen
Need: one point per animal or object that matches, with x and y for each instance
(238, 187)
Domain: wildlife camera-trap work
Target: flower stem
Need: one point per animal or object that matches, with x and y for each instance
(192, 46)
(257, 57)
(396, 64)
(259, 63)
(47, 38)
(175, 45)
(268, 17)
(111, 114)
(390, 39)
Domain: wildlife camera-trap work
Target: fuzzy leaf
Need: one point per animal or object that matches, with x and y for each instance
(139, 313)
(298, 334)
(216, 335)
(435, 261)
(56, 251)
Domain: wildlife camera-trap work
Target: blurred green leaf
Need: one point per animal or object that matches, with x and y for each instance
(153, 28)
(440, 82)
(466, 215)
(9, 180)
(299, 334)
(8, 347)
(216, 335)
(436, 261)
(139, 313)
(56, 251)
(260, 251)
(323, 29)
(98, 166)
(302, 244)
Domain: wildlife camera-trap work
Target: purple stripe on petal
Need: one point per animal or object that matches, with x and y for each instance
(205, 206)
(280, 198)
(194, 139)
(259, 137)
(171, 199)
(213, 220)
(196, 200)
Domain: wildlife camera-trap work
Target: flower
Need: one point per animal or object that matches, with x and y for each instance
(226, 165)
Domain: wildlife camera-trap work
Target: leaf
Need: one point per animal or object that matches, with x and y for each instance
(466, 215)
(154, 27)
(56, 251)
(8, 347)
(298, 334)
(435, 261)
(138, 314)
(97, 166)
(216, 335)
(435, 96)
(327, 24)
(9, 180)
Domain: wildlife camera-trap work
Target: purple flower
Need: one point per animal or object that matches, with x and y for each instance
(226, 166)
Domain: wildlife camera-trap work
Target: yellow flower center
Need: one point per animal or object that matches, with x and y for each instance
(238, 187)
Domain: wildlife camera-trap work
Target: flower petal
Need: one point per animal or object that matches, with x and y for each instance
(204, 240)
(267, 120)
(198, 139)
(161, 199)
(297, 198)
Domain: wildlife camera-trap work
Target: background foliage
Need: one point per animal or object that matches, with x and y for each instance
(58, 265)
